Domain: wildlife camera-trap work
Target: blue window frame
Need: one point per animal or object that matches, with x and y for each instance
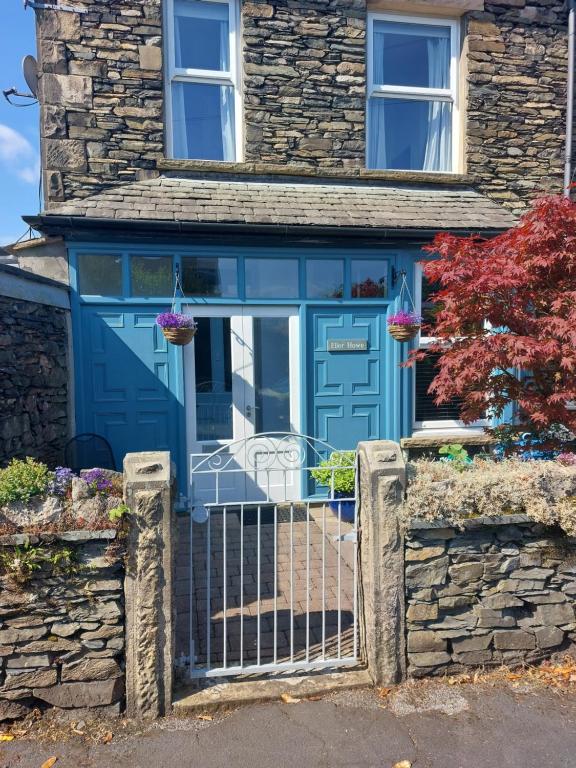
(221, 276)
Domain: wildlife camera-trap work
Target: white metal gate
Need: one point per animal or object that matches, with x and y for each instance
(273, 563)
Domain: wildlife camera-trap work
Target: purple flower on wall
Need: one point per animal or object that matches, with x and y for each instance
(61, 481)
(404, 318)
(175, 320)
(97, 481)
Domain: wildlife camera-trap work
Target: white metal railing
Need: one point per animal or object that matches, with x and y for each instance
(273, 566)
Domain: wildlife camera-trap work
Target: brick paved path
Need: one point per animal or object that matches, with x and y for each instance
(301, 585)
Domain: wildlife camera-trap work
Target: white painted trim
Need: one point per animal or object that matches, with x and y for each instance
(444, 425)
(174, 74)
(452, 94)
(14, 286)
(241, 326)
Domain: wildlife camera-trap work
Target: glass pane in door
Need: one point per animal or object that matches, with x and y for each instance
(213, 365)
(272, 374)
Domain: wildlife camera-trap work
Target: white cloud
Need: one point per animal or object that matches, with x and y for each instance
(18, 155)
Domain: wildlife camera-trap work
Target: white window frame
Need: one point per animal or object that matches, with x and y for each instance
(174, 74)
(439, 426)
(450, 95)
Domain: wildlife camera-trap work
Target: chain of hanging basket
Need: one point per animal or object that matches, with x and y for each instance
(402, 325)
(178, 328)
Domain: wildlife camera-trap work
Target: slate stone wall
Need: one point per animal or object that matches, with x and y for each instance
(101, 95)
(516, 103)
(305, 82)
(33, 380)
(495, 593)
(62, 635)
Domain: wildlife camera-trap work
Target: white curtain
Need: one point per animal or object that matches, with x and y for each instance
(226, 100)
(377, 156)
(438, 141)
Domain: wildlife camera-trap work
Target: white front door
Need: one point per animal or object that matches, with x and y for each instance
(242, 378)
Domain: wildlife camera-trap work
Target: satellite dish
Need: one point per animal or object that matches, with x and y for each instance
(30, 71)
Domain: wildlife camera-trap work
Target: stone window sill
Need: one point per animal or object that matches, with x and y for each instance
(304, 171)
(434, 441)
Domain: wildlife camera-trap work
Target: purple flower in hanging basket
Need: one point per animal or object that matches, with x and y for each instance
(175, 320)
(404, 318)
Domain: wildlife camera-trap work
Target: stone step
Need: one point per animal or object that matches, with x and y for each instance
(227, 694)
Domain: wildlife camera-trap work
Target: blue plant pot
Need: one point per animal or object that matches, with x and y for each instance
(347, 508)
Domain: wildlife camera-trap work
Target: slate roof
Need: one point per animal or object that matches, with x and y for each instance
(326, 204)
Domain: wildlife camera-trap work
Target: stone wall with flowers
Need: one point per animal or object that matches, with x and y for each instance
(62, 610)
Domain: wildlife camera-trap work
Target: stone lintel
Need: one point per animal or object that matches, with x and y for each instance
(382, 486)
(430, 7)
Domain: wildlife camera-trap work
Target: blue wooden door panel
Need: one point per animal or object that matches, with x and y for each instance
(353, 395)
(127, 381)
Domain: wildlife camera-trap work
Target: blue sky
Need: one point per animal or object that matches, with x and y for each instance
(19, 130)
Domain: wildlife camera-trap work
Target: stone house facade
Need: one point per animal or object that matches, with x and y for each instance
(304, 88)
(281, 162)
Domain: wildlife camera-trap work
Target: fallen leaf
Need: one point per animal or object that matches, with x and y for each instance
(288, 699)
(49, 763)
(383, 692)
(314, 698)
(403, 764)
(6, 737)
(205, 717)
(107, 738)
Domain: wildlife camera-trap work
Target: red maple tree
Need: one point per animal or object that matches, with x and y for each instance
(505, 322)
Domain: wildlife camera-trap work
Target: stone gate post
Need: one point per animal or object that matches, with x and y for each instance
(148, 483)
(382, 483)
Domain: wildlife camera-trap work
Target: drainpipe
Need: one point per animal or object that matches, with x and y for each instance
(570, 97)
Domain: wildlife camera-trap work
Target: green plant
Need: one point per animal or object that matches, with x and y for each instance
(457, 454)
(63, 561)
(545, 491)
(20, 563)
(117, 513)
(329, 473)
(21, 480)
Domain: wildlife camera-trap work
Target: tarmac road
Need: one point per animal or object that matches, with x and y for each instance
(431, 725)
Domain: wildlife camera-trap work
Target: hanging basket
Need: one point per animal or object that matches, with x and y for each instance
(404, 332)
(179, 336)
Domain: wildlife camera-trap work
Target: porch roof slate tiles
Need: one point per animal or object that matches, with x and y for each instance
(308, 204)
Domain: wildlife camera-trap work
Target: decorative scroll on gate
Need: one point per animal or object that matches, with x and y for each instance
(273, 559)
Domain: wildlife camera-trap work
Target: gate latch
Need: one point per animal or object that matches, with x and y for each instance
(351, 536)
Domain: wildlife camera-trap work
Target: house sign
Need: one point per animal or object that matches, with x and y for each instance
(347, 345)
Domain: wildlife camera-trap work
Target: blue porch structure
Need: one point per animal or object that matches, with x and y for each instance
(130, 382)
(290, 280)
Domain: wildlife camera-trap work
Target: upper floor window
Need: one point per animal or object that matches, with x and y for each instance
(203, 79)
(412, 93)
